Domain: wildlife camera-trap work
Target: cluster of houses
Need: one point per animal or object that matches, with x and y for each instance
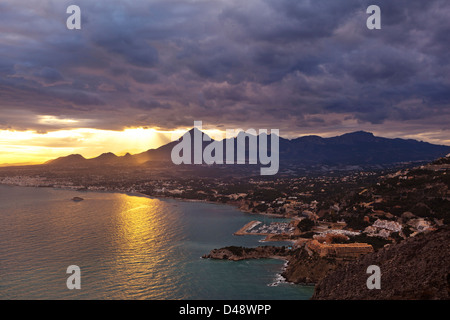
(383, 228)
(289, 206)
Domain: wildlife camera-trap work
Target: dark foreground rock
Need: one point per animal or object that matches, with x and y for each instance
(418, 268)
(307, 268)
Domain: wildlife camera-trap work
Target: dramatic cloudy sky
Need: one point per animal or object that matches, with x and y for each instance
(301, 66)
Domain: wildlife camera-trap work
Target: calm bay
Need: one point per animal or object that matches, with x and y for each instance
(128, 247)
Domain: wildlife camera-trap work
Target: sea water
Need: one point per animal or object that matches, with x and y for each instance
(128, 247)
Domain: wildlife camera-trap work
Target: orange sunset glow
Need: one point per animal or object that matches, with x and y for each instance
(31, 147)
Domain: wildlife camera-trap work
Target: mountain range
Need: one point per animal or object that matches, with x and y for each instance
(356, 148)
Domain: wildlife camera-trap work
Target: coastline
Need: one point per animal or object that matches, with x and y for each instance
(139, 194)
(299, 266)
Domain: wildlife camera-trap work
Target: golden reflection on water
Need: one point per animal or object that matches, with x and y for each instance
(145, 239)
(127, 247)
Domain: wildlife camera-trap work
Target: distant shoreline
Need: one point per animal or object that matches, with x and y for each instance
(139, 194)
(272, 215)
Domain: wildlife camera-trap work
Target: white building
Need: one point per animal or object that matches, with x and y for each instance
(388, 225)
(383, 228)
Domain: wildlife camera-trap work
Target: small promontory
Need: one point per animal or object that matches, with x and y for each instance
(303, 267)
(240, 253)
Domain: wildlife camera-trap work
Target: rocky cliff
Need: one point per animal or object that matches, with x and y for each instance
(417, 268)
(309, 268)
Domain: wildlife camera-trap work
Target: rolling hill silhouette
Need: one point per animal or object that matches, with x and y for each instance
(356, 148)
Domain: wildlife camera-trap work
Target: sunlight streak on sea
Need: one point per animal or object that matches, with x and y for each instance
(127, 247)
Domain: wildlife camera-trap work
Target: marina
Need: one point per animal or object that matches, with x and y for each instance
(263, 229)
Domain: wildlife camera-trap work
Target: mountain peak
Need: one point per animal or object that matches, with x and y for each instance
(105, 158)
(195, 130)
(70, 159)
(107, 155)
(74, 156)
(359, 134)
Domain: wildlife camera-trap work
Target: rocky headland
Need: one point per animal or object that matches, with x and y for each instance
(241, 253)
(415, 269)
(303, 266)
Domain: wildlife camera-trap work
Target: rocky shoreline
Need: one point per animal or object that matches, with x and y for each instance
(415, 269)
(302, 266)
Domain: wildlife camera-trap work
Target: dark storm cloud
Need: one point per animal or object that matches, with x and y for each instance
(152, 104)
(49, 75)
(135, 51)
(144, 76)
(285, 63)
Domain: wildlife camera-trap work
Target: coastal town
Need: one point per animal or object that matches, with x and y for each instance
(358, 210)
(318, 222)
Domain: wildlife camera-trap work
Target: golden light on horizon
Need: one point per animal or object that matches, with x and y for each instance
(31, 147)
(54, 120)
